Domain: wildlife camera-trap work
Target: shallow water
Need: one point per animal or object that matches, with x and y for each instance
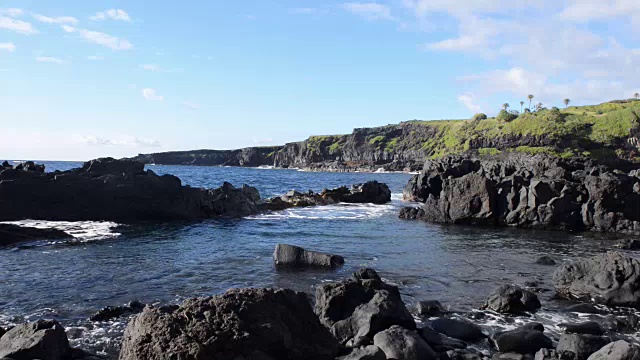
(107, 264)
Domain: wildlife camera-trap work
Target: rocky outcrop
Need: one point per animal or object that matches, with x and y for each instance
(117, 190)
(11, 234)
(526, 191)
(296, 257)
(43, 339)
(358, 308)
(113, 312)
(610, 279)
(264, 324)
(371, 192)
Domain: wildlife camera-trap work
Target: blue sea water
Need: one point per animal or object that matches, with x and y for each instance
(112, 264)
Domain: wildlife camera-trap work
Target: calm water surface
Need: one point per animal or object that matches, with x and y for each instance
(110, 264)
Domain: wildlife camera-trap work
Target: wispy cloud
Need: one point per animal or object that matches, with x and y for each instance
(126, 141)
(13, 12)
(95, 57)
(191, 105)
(468, 101)
(49, 59)
(152, 67)
(111, 14)
(369, 10)
(151, 95)
(101, 38)
(7, 46)
(19, 26)
(56, 20)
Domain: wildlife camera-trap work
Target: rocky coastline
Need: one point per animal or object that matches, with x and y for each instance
(364, 317)
(537, 192)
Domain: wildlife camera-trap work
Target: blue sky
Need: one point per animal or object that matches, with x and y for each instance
(83, 79)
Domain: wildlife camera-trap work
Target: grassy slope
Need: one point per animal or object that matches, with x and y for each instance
(596, 130)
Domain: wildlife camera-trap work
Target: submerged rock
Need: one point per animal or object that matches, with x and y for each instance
(546, 260)
(261, 324)
(295, 256)
(611, 279)
(629, 244)
(522, 341)
(11, 234)
(113, 312)
(430, 308)
(43, 339)
(588, 327)
(512, 299)
(457, 329)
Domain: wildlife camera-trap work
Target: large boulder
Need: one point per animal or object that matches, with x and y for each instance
(401, 344)
(619, 350)
(116, 190)
(611, 279)
(43, 339)
(10, 234)
(522, 341)
(295, 256)
(512, 299)
(457, 329)
(266, 324)
(357, 308)
(370, 192)
(581, 345)
(370, 352)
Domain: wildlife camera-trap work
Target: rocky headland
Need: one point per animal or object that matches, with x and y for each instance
(538, 192)
(607, 133)
(364, 317)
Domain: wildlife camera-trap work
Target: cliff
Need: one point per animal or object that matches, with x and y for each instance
(606, 132)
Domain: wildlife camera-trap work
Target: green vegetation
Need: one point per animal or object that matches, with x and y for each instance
(489, 151)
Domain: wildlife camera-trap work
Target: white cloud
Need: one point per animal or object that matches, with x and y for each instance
(369, 10)
(469, 102)
(151, 95)
(68, 28)
(191, 105)
(49, 59)
(112, 14)
(597, 10)
(95, 57)
(126, 141)
(12, 12)
(56, 20)
(19, 26)
(7, 46)
(152, 68)
(100, 38)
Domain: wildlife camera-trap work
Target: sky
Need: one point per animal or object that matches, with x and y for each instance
(87, 79)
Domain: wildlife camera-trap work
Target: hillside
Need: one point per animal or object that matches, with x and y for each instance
(606, 132)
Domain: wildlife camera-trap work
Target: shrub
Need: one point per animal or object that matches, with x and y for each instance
(506, 116)
(479, 116)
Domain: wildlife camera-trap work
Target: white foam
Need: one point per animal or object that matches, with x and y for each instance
(330, 212)
(80, 230)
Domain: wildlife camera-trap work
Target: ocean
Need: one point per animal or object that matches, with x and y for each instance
(111, 264)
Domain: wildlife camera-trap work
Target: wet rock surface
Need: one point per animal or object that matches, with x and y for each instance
(11, 234)
(291, 256)
(540, 192)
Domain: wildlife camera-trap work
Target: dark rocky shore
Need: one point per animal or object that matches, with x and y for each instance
(363, 317)
(540, 192)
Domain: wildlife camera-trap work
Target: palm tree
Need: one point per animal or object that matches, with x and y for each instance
(521, 105)
(567, 102)
(530, 97)
(636, 95)
(538, 106)
(505, 106)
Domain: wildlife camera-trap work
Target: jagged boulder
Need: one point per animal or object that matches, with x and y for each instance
(358, 308)
(611, 279)
(43, 339)
(511, 299)
(399, 343)
(581, 345)
(619, 350)
(11, 234)
(264, 324)
(297, 257)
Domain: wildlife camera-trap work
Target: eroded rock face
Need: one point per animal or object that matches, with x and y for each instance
(526, 191)
(296, 257)
(611, 279)
(43, 339)
(116, 190)
(358, 308)
(240, 324)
